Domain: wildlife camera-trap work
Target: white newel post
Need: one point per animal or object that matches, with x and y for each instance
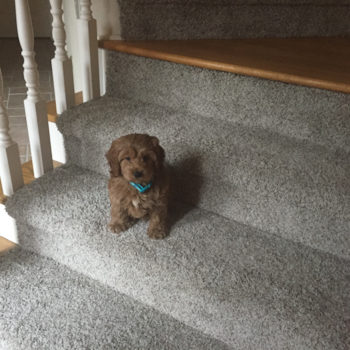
(10, 163)
(35, 106)
(87, 31)
(62, 68)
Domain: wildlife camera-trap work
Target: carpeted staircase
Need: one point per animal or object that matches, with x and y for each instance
(258, 256)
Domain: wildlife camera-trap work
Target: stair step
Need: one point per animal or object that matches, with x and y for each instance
(294, 189)
(225, 279)
(303, 113)
(315, 62)
(45, 305)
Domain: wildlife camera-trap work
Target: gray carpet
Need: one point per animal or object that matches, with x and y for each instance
(292, 188)
(44, 305)
(300, 112)
(223, 19)
(246, 288)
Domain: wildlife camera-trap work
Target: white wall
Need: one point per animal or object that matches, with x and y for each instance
(40, 11)
(106, 13)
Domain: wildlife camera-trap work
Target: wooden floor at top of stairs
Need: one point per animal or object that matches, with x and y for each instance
(315, 62)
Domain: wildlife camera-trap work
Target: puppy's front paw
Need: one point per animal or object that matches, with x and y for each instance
(115, 228)
(119, 227)
(156, 233)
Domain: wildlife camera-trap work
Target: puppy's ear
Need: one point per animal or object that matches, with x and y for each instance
(113, 159)
(160, 153)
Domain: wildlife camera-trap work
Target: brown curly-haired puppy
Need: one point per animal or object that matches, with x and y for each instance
(139, 184)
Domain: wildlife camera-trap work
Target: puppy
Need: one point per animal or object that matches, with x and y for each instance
(139, 184)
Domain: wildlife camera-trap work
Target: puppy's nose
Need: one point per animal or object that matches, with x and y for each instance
(138, 174)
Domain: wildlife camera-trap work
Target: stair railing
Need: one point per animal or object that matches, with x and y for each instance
(35, 106)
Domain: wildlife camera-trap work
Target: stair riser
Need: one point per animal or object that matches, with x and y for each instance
(264, 168)
(319, 116)
(161, 20)
(239, 171)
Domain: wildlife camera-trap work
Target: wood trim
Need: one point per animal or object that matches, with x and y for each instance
(316, 62)
(6, 245)
(28, 177)
(51, 107)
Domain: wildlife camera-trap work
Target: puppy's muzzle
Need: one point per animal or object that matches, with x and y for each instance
(137, 174)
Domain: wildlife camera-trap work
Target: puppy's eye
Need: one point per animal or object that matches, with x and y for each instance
(128, 159)
(145, 158)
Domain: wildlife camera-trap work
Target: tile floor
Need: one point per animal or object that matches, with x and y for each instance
(11, 64)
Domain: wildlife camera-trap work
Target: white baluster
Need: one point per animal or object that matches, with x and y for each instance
(34, 105)
(102, 63)
(10, 164)
(87, 30)
(62, 68)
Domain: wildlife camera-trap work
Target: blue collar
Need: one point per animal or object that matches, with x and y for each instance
(140, 188)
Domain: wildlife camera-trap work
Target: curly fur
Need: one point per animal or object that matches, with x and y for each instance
(138, 154)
